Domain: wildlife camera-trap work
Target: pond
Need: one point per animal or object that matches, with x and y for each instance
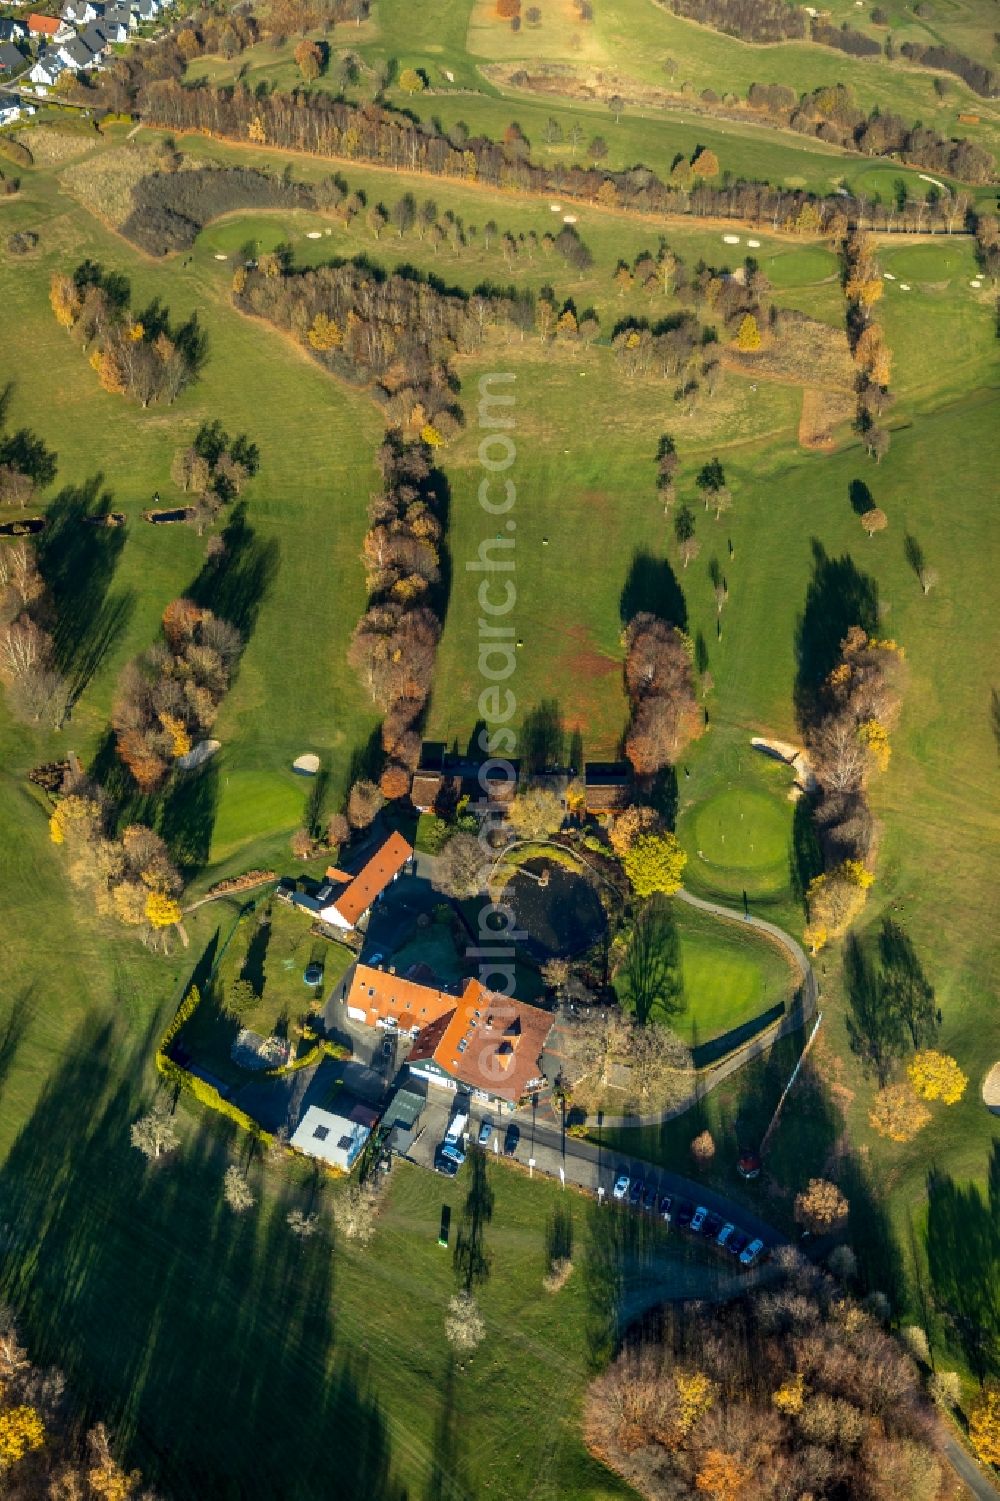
(562, 917)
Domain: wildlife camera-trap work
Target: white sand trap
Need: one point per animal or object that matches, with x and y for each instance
(569, 218)
(314, 234)
(450, 76)
(198, 754)
(977, 284)
(222, 257)
(556, 208)
(730, 239)
(991, 1089)
(307, 765)
(328, 231)
(904, 286)
(754, 244)
(888, 276)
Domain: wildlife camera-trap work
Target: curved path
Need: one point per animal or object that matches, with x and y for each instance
(801, 1009)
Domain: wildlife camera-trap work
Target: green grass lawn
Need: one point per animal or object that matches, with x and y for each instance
(727, 976)
(127, 1279)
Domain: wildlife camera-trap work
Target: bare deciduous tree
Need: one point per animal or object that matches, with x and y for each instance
(155, 1134)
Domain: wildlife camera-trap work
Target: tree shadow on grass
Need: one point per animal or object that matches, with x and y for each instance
(13, 1029)
(235, 586)
(542, 737)
(839, 596)
(652, 977)
(652, 587)
(963, 1261)
(78, 557)
(805, 857)
(185, 816)
(446, 1481)
(862, 499)
(472, 1260)
(191, 1331)
(870, 1231)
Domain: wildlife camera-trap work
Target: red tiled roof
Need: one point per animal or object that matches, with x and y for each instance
(47, 25)
(381, 995)
(493, 1042)
(373, 878)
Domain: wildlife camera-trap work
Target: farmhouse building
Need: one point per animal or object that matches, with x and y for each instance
(49, 27)
(608, 786)
(441, 780)
(477, 1040)
(345, 901)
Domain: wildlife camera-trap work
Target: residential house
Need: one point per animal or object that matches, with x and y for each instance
(10, 110)
(608, 786)
(46, 71)
(95, 37)
(441, 780)
(345, 901)
(75, 54)
(12, 62)
(336, 1136)
(117, 23)
(79, 12)
(48, 28)
(476, 1040)
(11, 30)
(145, 11)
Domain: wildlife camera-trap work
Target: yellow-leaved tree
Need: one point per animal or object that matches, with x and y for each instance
(696, 1393)
(897, 1113)
(21, 1432)
(984, 1428)
(835, 899)
(936, 1076)
(162, 911)
(748, 337)
(325, 333)
(655, 862)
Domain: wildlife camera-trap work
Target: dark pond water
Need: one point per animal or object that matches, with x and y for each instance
(564, 917)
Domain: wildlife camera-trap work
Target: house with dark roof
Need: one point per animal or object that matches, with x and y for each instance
(345, 901)
(75, 55)
(609, 786)
(441, 780)
(12, 62)
(47, 70)
(11, 30)
(79, 12)
(96, 38)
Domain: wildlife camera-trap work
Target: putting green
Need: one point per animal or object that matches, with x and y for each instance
(738, 840)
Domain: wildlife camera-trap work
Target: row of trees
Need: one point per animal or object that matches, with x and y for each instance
(848, 742)
(44, 1451)
(795, 1389)
(395, 641)
(863, 287)
(130, 876)
(764, 21)
(35, 690)
(135, 355)
(659, 678)
(326, 126)
(168, 698)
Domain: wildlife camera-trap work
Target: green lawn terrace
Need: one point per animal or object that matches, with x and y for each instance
(271, 949)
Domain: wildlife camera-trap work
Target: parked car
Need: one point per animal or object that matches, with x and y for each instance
(388, 1048)
(510, 1141)
(373, 959)
(621, 1187)
(698, 1219)
(712, 1226)
(636, 1192)
(724, 1234)
(666, 1208)
(737, 1243)
(753, 1253)
(684, 1213)
(486, 1131)
(446, 1162)
(650, 1198)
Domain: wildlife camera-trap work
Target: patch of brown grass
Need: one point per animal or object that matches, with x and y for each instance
(105, 184)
